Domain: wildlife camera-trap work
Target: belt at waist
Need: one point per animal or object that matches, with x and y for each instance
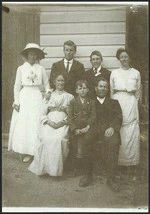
(123, 91)
(31, 86)
(50, 109)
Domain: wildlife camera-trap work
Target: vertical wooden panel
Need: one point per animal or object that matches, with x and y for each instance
(36, 28)
(138, 43)
(18, 29)
(29, 28)
(5, 59)
(21, 35)
(9, 65)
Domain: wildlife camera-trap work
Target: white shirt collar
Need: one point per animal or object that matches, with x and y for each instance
(101, 100)
(66, 62)
(98, 70)
(70, 61)
(82, 100)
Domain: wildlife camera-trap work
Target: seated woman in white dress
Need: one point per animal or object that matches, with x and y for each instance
(54, 140)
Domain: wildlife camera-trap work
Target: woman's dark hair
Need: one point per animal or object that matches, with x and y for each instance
(39, 54)
(56, 74)
(120, 50)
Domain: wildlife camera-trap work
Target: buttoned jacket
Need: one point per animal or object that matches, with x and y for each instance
(92, 79)
(81, 115)
(76, 73)
(108, 114)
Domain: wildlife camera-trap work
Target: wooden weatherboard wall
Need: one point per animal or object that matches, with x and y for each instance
(91, 27)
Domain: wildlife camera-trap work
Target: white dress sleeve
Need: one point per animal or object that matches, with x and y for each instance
(111, 85)
(45, 81)
(17, 87)
(138, 89)
(44, 111)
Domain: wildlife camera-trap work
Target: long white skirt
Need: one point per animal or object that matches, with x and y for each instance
(53, 149)
(24, 128)
(129, 152)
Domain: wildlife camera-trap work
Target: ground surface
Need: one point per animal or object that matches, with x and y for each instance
(21, 188)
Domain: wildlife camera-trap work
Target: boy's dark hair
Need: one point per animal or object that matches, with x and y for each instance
(80, 82)
(70, 43)
(101, 79)
(97, 53)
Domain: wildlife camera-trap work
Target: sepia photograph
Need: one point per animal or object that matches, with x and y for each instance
(75, 106)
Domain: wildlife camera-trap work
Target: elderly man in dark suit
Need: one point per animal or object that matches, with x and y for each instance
(109, 120)
(97, 71)
(71, 69)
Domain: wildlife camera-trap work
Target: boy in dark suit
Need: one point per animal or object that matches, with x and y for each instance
(71, 69)
(109, 120)
(96, 72)
(81, 120)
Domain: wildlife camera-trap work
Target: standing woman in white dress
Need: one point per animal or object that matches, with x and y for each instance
(25, 120)
(53, 148)
(125, 85)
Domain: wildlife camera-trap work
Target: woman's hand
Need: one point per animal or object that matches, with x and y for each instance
(47, 96)
(56, 125)
(16, 107)
(62, 123)
(52, 124)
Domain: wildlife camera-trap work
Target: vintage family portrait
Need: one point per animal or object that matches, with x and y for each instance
(75, 80)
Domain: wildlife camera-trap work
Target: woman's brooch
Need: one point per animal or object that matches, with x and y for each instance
(32, 76)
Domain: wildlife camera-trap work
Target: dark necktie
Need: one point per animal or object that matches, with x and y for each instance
(67, 68)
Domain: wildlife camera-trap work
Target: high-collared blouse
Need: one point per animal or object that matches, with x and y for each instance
(59, 101)
(30, 75)
(125, 80)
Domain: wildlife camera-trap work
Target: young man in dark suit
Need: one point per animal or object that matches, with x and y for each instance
(109, 120)
(70, 68)
(97, 71)
(81, 120)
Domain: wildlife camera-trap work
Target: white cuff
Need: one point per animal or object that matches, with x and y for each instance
(15, 103)
(49, 91)
(44, 120)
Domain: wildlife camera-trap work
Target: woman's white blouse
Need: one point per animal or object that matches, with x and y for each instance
(30, 75)
(125, 80)
(58, 99)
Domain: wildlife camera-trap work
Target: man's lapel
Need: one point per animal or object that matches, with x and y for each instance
(86, 103)
(79, 103)
(106, 102)
(63, 66)
(73, 67)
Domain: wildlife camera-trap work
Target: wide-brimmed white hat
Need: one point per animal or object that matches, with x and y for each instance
(34, 46)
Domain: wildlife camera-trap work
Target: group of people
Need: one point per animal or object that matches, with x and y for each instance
(79, 109)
